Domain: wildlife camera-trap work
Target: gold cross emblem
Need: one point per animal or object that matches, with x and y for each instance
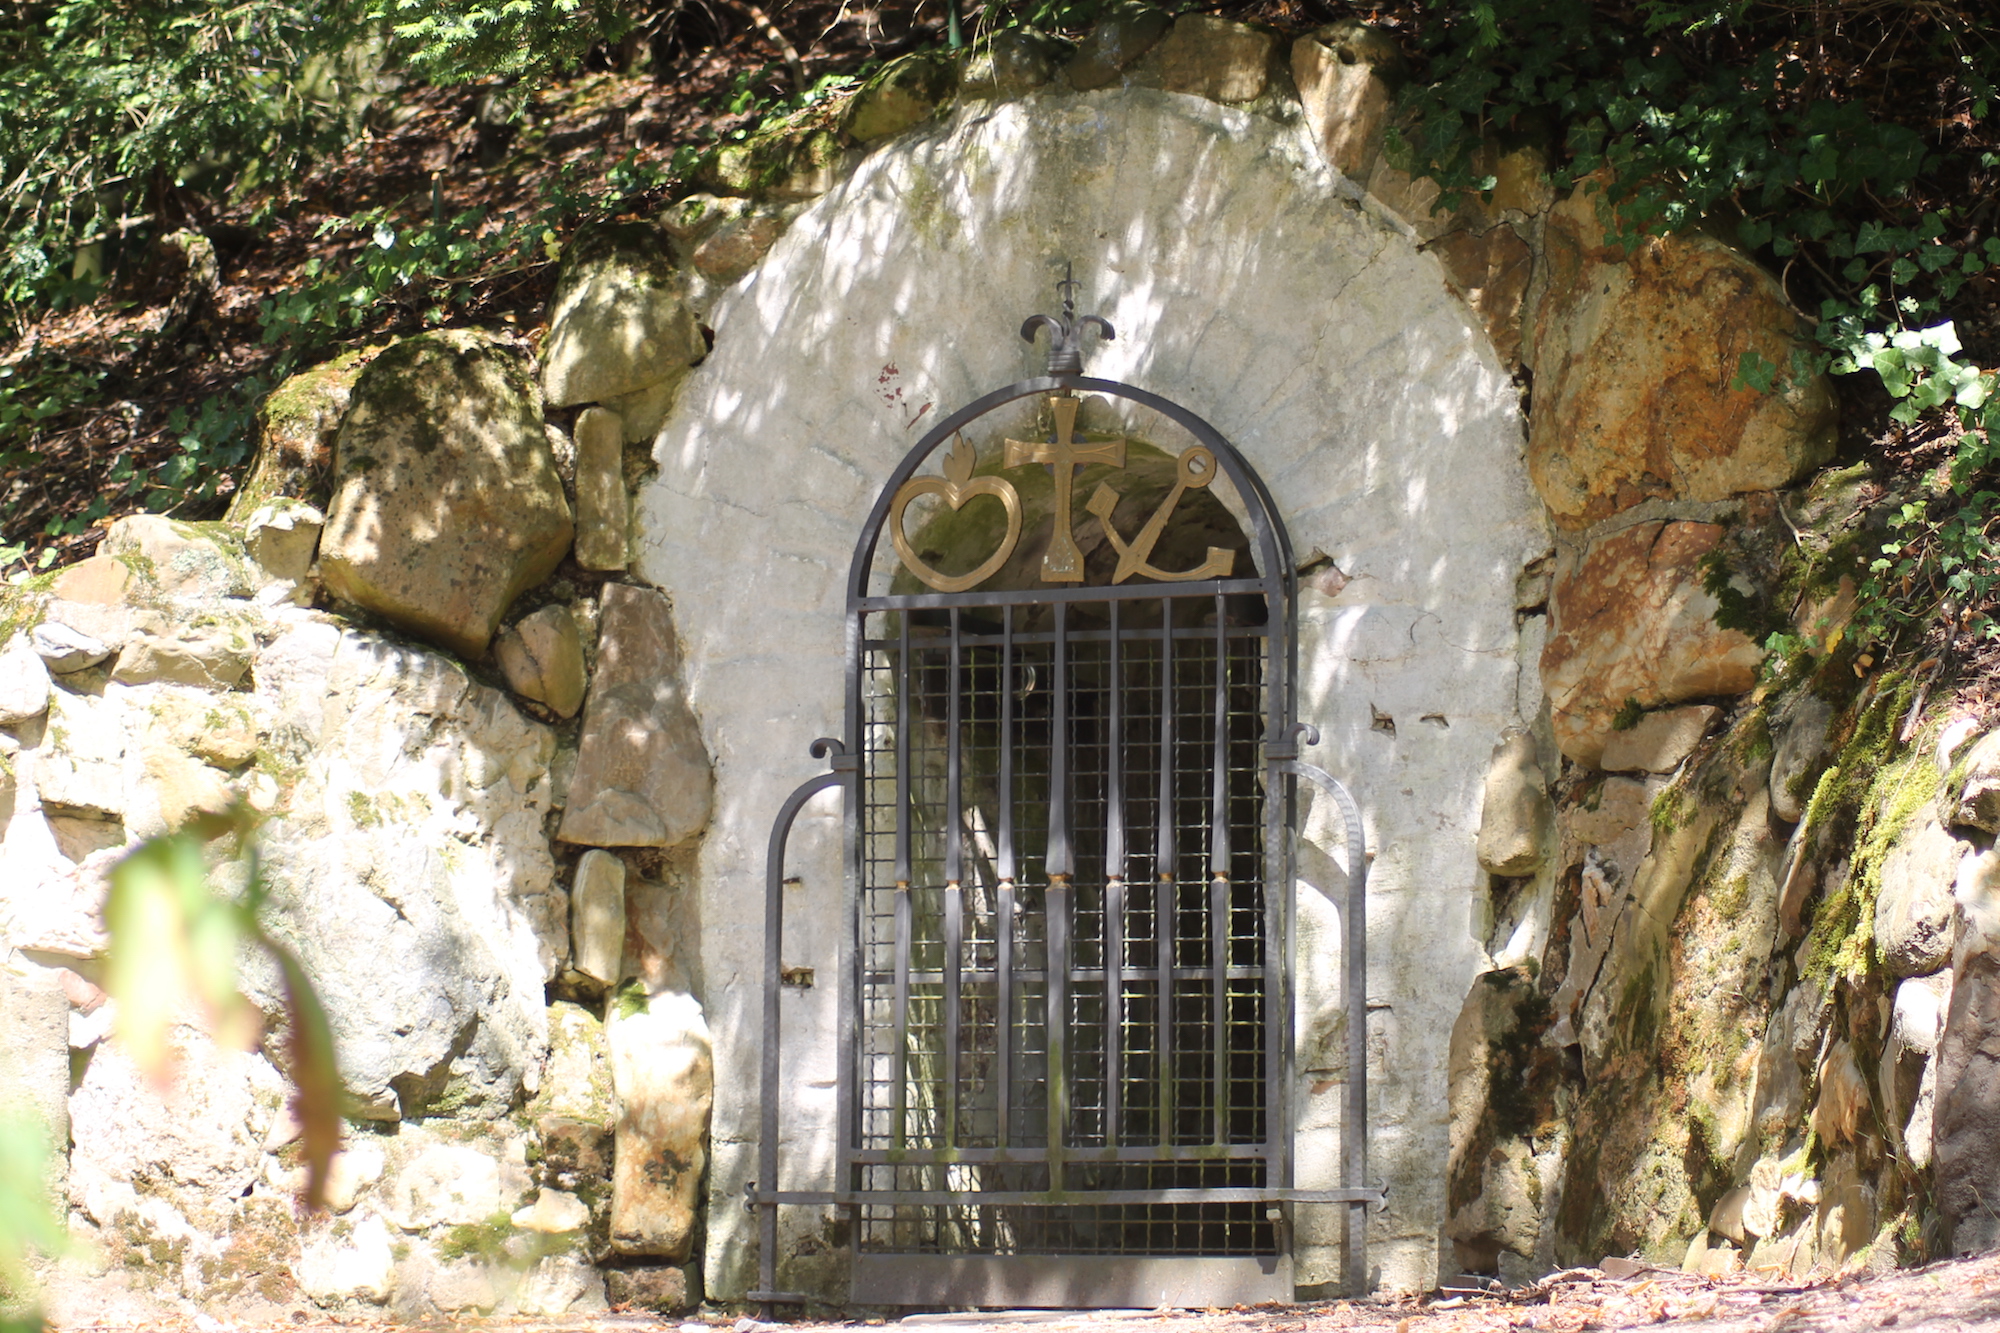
(1063, 562)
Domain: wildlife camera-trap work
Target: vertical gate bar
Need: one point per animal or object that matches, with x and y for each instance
(1058, 865)
(1165, 853)
(852, 1040)
(900, 1130)
(771, 1070)
(1059, 858)
(1114, 890)
(1218, 885)
(900, 1136)
(903, 679)
(1276, 966)
(953, 845)
(954, 921)
(1282, 670)
(1003, 927)
(1354, 1116)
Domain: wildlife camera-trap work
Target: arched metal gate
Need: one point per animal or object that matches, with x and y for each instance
(1066, 1031)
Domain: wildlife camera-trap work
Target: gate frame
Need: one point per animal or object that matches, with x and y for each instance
(1133, 1279)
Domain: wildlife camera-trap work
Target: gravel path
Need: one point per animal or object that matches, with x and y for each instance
(1945, 1297)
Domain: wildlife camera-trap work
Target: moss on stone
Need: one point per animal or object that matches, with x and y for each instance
(1872, 791)
(1628, 715)
(1671, 809)
(629, 1001)
(773, 161)
(361, 811)
(24, 605)
(478, 1240)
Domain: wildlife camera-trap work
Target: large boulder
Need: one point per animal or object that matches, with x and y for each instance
(1212, 57)
(618, 322)
(663, 1075)
(1634, 358)
(446, 501)
(642, 773)
(1503, 1082)
(1119, 38)
(1975, 798)
(1631, 623)
(204, 1134)
(34, 1052)
(1658, 742)
(1009, 63)
(24, 682)
(908, 91)
(409, 867)
(603, 515)
(1800, 754)
(542, 658)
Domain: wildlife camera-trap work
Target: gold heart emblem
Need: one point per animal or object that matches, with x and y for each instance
(955, 487)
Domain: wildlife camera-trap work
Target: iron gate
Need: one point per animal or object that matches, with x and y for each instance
(1066, 1031)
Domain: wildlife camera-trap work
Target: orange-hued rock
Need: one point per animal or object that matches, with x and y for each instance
(1630, 621)
(1490, 269)
(1213, 57)
(1633, 359)
(1343, 93)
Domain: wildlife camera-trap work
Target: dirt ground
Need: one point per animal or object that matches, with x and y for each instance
(1941, 1298)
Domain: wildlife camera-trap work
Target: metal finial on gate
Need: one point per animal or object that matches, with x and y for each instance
(1066, 334)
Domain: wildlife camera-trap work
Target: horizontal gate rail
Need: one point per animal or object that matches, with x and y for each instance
(1061, 1199)
(1051, 1281)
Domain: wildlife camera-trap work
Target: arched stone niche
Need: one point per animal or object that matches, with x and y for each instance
(1252, 283)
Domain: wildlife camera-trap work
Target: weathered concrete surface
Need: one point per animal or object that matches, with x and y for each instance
(1360, 389)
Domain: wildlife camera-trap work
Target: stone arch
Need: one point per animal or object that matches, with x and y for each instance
(1254, 284)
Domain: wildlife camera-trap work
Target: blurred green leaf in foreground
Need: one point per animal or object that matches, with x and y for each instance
(176, 945)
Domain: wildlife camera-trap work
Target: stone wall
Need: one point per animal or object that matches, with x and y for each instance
(517, 650)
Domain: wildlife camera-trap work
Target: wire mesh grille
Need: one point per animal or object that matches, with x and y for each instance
(1060, 989)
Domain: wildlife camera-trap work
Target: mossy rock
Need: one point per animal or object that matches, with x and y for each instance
(296, 426)
(908, 91)
(796, 160)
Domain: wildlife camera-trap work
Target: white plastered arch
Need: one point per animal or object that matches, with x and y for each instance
(1248, 281)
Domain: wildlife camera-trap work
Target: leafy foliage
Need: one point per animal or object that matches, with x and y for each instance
(1835, 140)
(111, 110)
(458, 41)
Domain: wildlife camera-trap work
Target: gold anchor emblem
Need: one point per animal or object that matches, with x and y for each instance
(956, 487)
(1063, 561)
(1196, 471)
